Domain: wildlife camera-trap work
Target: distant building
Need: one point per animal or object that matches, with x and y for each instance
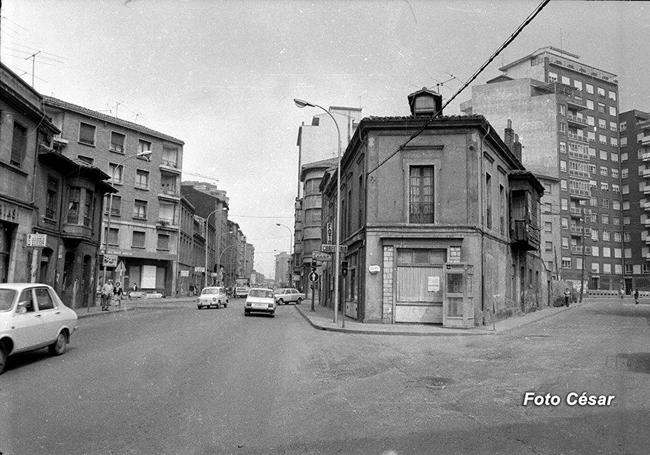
(144, 218)
(634, 127)
(282, 269)
(441, 228)
(566, 113)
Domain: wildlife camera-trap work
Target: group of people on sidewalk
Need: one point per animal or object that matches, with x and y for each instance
(112, 293)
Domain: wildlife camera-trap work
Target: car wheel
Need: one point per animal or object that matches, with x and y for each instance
(280, 302)
(299, 301)
(59, 346)
(273, 314)
(199, 307)
(3, 359)
(246, 313)
(225, 305)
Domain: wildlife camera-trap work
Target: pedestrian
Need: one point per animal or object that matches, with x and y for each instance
(567, 296)
(107, 291)
(117, 294)
(636, 296)
(621, 293)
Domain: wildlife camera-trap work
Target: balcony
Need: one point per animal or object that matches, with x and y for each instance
(646, 189)
(646, 173)
(580, 193)
(576, 212)
(525, 235)
(645, 156)
(577, 138)
(645, 205)
(169, 166)
(579, 174)
(645, 140)
(646, 222)
(577, 249)
(578, 103)
(579, 155)
(576, 120)
(167, 223)
(76, 232)
(577, 230)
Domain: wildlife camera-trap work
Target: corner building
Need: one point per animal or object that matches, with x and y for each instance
(145, 213)
(566, 113)
(440, 228)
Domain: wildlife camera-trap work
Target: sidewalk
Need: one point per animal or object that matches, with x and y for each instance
(322, 319)
(132, 304)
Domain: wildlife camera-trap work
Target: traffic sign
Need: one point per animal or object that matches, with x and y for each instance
(120, 267)
(110, 260)
(313, 276)
(318, 256)
(329, 248)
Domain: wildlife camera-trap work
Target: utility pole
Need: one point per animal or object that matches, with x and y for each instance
(33, 57)
(582, 275)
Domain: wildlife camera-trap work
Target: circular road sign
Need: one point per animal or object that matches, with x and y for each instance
(313, 276)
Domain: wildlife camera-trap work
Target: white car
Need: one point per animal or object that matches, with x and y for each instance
(212, 297)
(33, 316)
(288, 295)
(260, 300)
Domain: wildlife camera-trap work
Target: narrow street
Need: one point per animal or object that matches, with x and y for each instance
(180, 380)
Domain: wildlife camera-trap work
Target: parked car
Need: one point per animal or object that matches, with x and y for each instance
(212, 297)
(288, 295)
(32, 316)
(260, 300)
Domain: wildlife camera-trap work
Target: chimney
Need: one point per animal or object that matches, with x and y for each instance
(508, 135)
(517, 147)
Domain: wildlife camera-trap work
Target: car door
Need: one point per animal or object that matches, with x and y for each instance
(27, 327)
(50, 313)
(293, 295)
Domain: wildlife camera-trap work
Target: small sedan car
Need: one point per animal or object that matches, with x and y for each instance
(260, 300)
(288, 295)
(212, 297)
(32, 316)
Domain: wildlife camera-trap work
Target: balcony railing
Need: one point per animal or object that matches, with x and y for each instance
(577, 102)
(645, 156)
(577, 137)
(578, 230)
(586, 194)
(576, 119)
(526, 235)
(576, 211)
(646, 189)
(577, 249)
(170, 163)
(580, 156)
(579, 173)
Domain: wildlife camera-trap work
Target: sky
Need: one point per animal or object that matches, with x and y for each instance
(222, 75)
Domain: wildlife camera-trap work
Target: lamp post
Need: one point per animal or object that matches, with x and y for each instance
(110, 207)
(224, 250)
(301, 104)
(290, 248)
(205, 279)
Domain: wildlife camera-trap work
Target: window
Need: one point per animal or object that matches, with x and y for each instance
(602, 138)
(564, 222)
(141, 179)
(548, 246)
(595, 267)
(614, 172)
(607, 268)
(602, 123)
(564, 204)
(85, 159)
(421, 197)
(488, 200)
(52, 200)
(623, 126)
(140, 209)
(566, 80)
(612, 126)
(594, 235)
(562, 166)
(138, 239)
(601, 92)
(626, 205)
(628, 253)
(604, 219)
(562, 147)
(612, 95)
(563, 184)
(144, 146)
(591, 121)
(590, 105)
(628, 269)
(605, 203)
(591, 136)
(565, 243)
(627, 237)
(612, 111)
(89, 207)
(116, 205)
(577, 84)
(566, 263)
(74, 200)
(604, 186)
(626, 220)
(552, 77)
(603, 170)
(563, 127)
(623, 141)
(603, 154)
(502, 209)
(601, 108)
(617, 238)
(592, 151)
(86, 133)
(113, 236)
(115, 172)
(163, 241)
(117, 142)
(625, 189)
(614, 141)
(616, 188)
(624, 172)
(18, 144)
(548, 226)
(170, 156)
(589, 88)
(44, 299)
(616, 205)
(595, 251)
(605, 236)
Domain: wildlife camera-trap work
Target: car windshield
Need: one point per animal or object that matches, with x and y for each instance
(6, 298)
(260, 293)
(212, 291)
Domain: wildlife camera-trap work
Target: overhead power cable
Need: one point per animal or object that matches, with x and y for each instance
(505, 44)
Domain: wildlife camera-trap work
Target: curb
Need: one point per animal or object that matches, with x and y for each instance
(102, 313)
(381, 332)
(546, 316)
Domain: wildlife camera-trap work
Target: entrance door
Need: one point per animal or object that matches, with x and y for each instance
(628, 286)
(458, 306)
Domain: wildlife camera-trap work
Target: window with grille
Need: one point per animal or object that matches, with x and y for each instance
(421, 197)
(87, 133)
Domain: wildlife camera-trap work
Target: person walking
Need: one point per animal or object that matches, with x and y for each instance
(622, 293)
(567, 296)
(107, 292)
(117, 294)
(636, 296)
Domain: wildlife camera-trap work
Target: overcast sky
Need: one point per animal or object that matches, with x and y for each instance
(221, 75)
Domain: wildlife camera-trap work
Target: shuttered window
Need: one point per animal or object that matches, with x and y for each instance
(86, 133)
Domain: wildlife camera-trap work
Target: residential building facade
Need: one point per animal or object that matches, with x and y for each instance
(283, 269)
(566, 113)
(144, 217)
(441, 227)
(634, 127)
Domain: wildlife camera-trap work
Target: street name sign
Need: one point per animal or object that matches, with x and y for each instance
(329, 248)
(318, 256)
(37, 240)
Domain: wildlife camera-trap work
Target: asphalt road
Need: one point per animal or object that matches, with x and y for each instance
(184, 381)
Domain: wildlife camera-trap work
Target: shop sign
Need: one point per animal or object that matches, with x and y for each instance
(185, 273)
(110, 260)
(37, 240)
(199, 269)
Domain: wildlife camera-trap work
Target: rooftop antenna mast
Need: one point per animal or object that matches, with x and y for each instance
(33, 57)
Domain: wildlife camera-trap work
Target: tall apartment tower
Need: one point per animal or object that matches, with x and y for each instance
(566, 115)
(635, 178)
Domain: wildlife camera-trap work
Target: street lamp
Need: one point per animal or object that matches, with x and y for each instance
(110, 205)
(224, 250)
(290, 248)
(205, 279)
(301, 104)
